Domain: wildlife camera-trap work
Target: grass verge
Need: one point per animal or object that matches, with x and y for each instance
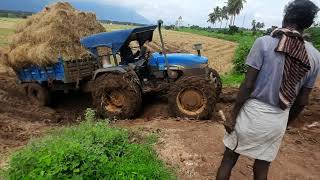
(232, 80)
(86, 151)
(236, 37)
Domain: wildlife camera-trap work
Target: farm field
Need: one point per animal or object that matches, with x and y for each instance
(7, 26)
(193, 148)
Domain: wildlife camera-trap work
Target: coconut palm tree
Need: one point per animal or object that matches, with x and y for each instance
(224, 14)
(215, 15)
(234, 8)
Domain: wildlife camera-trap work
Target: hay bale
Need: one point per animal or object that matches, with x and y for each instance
(54, 31)
(4, 56)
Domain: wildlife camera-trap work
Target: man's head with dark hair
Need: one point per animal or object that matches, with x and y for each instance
(300, 14)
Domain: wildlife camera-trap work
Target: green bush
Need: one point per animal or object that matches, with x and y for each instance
(233, 29)
(240, 56)
(315, 36)
(87, 151)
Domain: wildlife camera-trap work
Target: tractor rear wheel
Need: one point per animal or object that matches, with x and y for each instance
(38, 94)
(117, 96)
(192, 97)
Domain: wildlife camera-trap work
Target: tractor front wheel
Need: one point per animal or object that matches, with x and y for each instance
(117, 96)
(192, 97)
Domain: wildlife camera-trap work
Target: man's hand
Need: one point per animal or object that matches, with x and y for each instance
(301, 101)
(230, 124)
(228, 128)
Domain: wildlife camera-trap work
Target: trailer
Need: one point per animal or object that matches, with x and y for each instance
(39, 81)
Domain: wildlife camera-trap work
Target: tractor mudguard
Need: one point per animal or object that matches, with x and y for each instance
(104, 70)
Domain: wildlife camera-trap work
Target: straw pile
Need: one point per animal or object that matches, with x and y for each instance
(55, 31)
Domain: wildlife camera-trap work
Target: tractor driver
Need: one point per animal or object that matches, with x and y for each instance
(126, 54)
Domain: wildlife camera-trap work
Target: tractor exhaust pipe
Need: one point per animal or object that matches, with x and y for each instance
(160, 22)
(198, 48)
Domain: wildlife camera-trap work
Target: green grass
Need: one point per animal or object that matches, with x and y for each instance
(315, 36)
(232, 80)
(237, 37)
(86, 151)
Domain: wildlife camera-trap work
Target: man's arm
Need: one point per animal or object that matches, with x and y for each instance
(301, 101)
(245, 91)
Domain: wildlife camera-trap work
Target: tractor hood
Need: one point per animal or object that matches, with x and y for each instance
(178, 60)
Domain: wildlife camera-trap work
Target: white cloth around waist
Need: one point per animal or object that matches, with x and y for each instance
(259, 130)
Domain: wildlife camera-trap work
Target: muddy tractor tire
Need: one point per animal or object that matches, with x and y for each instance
(37, 94)
(216, 81)
(192, 97)
(117, 96)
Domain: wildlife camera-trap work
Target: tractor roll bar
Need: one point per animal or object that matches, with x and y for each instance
(160, 22)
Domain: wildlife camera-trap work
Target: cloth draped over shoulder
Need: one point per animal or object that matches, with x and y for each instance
(296, 65)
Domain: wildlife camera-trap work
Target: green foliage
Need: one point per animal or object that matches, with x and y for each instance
(233, 29)
(315, 36)
(216, 15)
(14, 14)
(87, 151)
(232, 80)
(221, 34)
(240, 56)
(170, 27)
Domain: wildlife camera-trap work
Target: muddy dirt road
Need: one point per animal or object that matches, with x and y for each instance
(194, 148)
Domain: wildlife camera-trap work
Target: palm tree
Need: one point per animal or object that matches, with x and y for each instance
(215, 15)
(224, 14)
(234, 8)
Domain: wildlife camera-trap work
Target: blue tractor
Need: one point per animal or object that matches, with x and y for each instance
(118, 77)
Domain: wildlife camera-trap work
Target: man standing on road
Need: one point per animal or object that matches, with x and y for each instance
(282, 72)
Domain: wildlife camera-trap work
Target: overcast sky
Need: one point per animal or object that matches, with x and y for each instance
(196, 11)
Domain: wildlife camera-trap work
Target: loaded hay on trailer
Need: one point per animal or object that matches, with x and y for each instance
(55, 31)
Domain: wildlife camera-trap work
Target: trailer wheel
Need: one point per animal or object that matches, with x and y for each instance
(117, 96)
(192, 97)
(216, 80)
(37, 94)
